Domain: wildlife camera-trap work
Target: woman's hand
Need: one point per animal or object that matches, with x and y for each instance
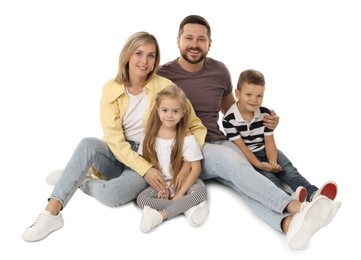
(165, 195)
(155, 179)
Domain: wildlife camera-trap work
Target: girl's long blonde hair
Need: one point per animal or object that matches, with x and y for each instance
(154, 123)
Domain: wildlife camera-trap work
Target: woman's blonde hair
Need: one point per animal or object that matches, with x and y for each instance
(154, 123)
(131, 45)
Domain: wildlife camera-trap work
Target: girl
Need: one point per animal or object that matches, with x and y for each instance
(167, 142)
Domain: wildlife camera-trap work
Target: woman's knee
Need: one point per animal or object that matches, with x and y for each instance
(91, 146)
(90, 142)
(113, 200)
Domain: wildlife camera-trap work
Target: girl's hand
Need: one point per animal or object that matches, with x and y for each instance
(182, 176)
(177, 197)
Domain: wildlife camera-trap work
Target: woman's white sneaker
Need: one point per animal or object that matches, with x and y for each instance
(43, 226)
(53, 177)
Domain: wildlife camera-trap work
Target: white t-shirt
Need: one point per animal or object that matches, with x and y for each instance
(133, 119)
(191, 152)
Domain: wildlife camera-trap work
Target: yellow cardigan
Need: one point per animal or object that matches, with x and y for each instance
(113, 106)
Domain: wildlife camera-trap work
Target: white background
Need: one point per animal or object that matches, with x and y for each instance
(55, 57)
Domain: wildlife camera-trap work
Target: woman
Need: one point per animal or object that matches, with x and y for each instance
(124, 110)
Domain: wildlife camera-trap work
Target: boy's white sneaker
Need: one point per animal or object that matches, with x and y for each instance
(300, 194)
(43, 226)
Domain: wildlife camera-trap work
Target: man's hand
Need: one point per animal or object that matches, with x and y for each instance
(271, 121)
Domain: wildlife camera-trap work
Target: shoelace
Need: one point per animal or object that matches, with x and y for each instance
(41, 219)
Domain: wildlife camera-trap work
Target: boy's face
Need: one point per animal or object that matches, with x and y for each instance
(250, 96)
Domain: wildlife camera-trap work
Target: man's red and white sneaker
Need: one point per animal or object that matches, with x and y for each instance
(313, 216)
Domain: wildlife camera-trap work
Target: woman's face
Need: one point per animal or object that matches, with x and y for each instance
(142, 61)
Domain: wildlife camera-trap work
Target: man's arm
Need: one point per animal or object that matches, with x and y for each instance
(227, 102)
(271, 121)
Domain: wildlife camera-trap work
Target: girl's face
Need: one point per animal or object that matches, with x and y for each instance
(250, 97)
(142, 61)
(170, 112)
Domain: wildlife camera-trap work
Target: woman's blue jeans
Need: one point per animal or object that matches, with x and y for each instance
(120, 186)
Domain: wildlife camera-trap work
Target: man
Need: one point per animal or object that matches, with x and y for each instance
(207, 84)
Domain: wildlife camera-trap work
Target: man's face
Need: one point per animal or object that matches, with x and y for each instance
(194, 43)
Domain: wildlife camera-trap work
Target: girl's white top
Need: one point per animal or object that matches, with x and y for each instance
(191, 152)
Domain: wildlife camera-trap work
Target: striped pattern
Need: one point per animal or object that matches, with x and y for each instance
(195, 195)
(252, 132)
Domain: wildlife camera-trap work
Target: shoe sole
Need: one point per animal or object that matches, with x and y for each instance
(329, 190)
(147, 224)
(42, 236)
(303, 195)
(200, 214)
(335, 207)
(317, 216)
(53, 177)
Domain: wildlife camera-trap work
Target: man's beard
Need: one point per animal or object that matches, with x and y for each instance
(193, 61)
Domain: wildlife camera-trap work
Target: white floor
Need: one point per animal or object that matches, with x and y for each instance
(232, 231)
(55, 57)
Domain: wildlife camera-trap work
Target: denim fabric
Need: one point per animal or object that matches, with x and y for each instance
(121, 185)
(224, 162)
(289, 175)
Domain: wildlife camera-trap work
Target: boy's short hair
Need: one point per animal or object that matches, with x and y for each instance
(251, 77)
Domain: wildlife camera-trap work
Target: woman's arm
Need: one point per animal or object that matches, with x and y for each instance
(111, 114)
